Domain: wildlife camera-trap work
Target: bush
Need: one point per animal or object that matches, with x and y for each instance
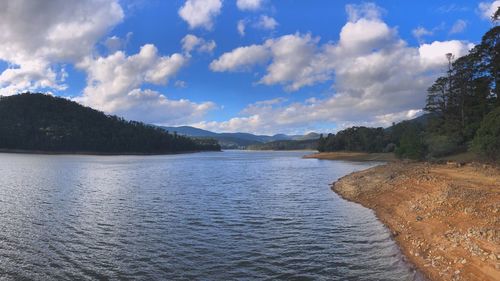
(411, 145)
(487, 140)
(440, 145)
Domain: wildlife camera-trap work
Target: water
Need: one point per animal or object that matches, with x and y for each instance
(206, 216)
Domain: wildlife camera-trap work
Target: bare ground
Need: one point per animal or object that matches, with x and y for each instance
(353, 156)
(446, 218)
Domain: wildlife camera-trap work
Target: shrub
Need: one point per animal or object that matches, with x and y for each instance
(487, 140)
(411, 145)
(440, 145)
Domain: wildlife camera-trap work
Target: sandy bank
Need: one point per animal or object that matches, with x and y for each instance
(445, 218)
(353, 156)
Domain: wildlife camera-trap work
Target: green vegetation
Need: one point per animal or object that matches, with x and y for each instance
(52, 124)
(464, 102)
(286, 145)
(355, 139)
(463, 112)
(487, 139)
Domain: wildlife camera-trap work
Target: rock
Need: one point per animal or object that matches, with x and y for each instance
(419, 218)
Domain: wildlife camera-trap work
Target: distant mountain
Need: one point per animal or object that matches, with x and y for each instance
(310, 136)
(237, 140)
(38, 122)
(421, 120)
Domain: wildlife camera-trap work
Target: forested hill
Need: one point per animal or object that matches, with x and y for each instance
(39, 122)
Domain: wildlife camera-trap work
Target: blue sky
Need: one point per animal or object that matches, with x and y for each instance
(298, 66)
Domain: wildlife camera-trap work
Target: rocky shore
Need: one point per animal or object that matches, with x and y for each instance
(445, 218)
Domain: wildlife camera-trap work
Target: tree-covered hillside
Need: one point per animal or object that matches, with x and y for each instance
(286, 145)
(46, 123)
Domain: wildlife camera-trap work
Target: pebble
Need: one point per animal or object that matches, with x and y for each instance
(493, 257)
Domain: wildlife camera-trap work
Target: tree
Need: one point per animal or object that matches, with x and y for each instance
(487, 140)
(469, 91)
(411, 144)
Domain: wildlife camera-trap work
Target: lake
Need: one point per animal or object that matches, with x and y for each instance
(233, 215)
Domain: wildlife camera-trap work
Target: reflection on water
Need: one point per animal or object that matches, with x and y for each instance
(229, 215)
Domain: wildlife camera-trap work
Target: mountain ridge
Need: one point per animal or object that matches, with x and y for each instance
(237, 139)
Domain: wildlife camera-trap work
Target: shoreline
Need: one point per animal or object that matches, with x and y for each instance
(445, 218)
(92, 153)
(353, 156)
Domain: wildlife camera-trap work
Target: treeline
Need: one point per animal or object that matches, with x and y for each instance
(286, 145)
(372, 140)
(463, 113)
(45, 123)
(465, 102)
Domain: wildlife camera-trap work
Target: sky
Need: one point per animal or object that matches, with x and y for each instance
(257, 66)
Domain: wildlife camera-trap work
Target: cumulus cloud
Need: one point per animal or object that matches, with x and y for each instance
(249, 5)
(200, 13)
(266, 22)
(37, 35)
(240, 58)
(458, 26)
(295, 62)
(433, 55)
(114, 86)
(488, 9)
(378, 77)
(191, 43)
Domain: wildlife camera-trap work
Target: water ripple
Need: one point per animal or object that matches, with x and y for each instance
(208, 216)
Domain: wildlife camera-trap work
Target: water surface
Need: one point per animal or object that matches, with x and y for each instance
(205, 216)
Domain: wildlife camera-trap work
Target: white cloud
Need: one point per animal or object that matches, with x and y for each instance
(458, 26)
(367, 11)
(115, 43)
(193, 43)
(114, 86)
(249, 5)
(266, 22)
(434, 55)
(294, 63)
(421, 32)
(240, 58)
(241, 27)
(488, 9)
(200, 13)
(37, 35)
(378, 77)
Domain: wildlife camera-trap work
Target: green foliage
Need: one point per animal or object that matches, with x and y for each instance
(469, 91)
(456, 104)
(487, 140)
(355, 139)
(42, 122)
(441, 145)
(286, 145)
(409, 140)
